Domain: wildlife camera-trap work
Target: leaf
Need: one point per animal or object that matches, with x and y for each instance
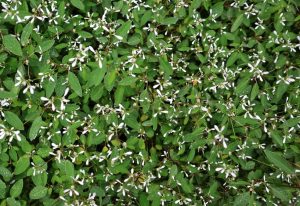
(195, 4)
(11, 44)
(143, 201)
(22, 164)
(26, 33)
(290, 122)
(281, 193)
(132, 122)
(67, 168)
(185, 185)
(109, 80)
(146, 17)
(279, 161)
(124, 30)
(38, 192)
(13, 120)
(165, 66)
(280, 90)
(277, 138)
(50, 86)
(35, 127)
(242, 199)
(74, 83)
(45, 46)
(231, 60)
(78, 4)
(12, 202)
(236, 24)
(217, 9)
(134, 40)
(191, 155)
(169, 21)
(190, 137)
(97, 75)
(85, 34)
(2, 190)
(254, 92)
(5, 173)
(127, 81)
(243, 83)
(17, 188)
(7, 95)
(119, 95)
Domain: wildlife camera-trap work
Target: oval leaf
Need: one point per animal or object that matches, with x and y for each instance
(38, 192)
(22, 164)
(74, 83)
(17, 188)
(11, 44)
(13, 120)
(279, 161)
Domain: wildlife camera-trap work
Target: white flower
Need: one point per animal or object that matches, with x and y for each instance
(49, 101)
(29, 87)
(71, 191)
(220, 137)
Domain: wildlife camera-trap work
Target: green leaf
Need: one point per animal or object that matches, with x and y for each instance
(35, 127)
(196, 4)
(217, 9)
(165, 66)
(134, 40)
(38, 192)
(290, 122)
(236, 24)
(279, 161)
(67, 168)
(143, 201)
(146, 17)
(11, 44)
(74, 83)
(26, 33)
(5, 173)
(7, 95)
(12, 202)
(13, 120)
(191, 155)
(124, 30)
(131, 121)
(45, 46)
(85, 34)
(2, 190)
(17, 188)
(97, 75)
(254, 92)
(119, 95)
(280, 90)
(231, 60)
(127, 81)
(281, 193)
(185, 185)
(22, 164)
(78, 4)
(169, 20)
(109, 80)
(243, 83)
(242, 199)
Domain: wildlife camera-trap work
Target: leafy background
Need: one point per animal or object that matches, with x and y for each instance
(176, 102)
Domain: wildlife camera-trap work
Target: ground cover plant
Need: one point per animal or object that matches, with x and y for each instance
(155, 102)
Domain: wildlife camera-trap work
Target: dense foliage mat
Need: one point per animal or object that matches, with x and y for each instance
(155, 102)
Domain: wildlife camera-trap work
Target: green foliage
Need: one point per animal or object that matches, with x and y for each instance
(156, 102)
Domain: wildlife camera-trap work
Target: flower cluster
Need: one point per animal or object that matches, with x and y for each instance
(132, 102)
